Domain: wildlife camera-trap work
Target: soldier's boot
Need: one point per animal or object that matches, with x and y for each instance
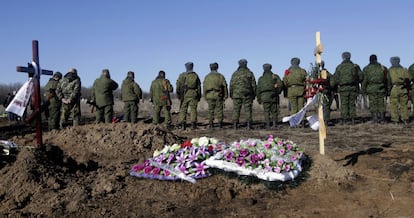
(211, 125)
(353, 121)
(221, 124)
(374, 118)
(249, 125)
(381, 118)
(194, 125)
(235, 125)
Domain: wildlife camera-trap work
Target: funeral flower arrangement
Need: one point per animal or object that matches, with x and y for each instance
(269, 159)
(185, 161)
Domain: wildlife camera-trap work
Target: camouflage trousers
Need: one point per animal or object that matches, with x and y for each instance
(296, 103)
(72, 109)
(104, 114)
(398, 104)
(192, 103)
(327, 102)
(376, 102)
(54, 116)
(348, 107)
(130, 111)
(247, 103)
(271, 111)
(215, 107)
(157, 110)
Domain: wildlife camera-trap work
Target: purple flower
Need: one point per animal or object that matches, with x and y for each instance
(287, 167)
(181, 158)
(156, 171)
(229, 155)
(147, 169)
(166, 172)
(282, 151)
(267, 145)
(254, 159)
(261, 155)
(270, 138)
(170, 158)
(299, 153)
(243, 152)
(289, 147)
(202, 151)
(200, 167)
(193, 155)
(280, 162)
(159, 158)
(183, 169)
(240, 161)
(277, 169)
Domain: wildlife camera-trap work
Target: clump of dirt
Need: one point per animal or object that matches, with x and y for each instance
(324, 167)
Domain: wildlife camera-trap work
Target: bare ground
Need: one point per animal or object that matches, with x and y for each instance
(367, 172)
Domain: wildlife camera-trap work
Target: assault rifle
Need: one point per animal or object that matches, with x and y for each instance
(92, 105)
(166, 92)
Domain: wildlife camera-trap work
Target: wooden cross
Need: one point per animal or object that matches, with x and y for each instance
(322, 127)
(35, 72)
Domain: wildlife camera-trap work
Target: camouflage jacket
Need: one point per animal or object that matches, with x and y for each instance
(269, 86)
(243, 84)
(50, 91)
(159, 91)
(374, 79)
(130, 90)
(183, 91)
(296, 76)
(397, 77)
(215, 86)
(102, 91)
(348, 76)
(69, 87)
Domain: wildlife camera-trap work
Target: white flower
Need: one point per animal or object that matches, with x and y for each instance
(194, 141)
(156, 153)
(203, 141)
(213, 141)
(175, 147)
(165, 149)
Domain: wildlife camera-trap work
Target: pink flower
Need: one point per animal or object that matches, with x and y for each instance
(240, 161)
(200, 167)
(254, 159)
(166, 172)
(243, 152)
(289, 147)
(252, 143)
(280, 162)
(293, 157)
(147, 169)
(282, 151)
(267, 145)
(138, 167)
(183, 169)
(237, 145)
(287, 167)
(280, 143)
(277, 169)
(299, 153)
(261, 155)
(156, 171)
(229, 155)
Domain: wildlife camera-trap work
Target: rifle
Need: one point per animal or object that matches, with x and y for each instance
(166, 92)
(182, 92)
(92, 105)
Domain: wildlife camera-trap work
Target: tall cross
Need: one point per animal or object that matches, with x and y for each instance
(34, 70)
(322, 127)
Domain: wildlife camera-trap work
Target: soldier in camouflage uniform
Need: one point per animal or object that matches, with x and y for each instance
(131, 93)
(326, 82)
(374, 84)
(243, 92)
(69, 92)
(269, 86)
(398, 77)
(103, 97)
(54, 102)
(294, 80)
(410, 95)
(347, 76)
(160, 96)
(189, 93)
(215, 92)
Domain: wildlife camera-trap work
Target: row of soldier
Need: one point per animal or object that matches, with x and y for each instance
(375, 81)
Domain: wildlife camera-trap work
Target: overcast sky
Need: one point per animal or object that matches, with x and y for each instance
(148, 36)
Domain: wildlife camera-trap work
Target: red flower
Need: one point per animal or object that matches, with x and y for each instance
(210, 148)
(186, 144)
(286, 72)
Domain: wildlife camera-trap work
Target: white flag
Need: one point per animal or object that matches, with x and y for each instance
(20, 101)
(295, 119)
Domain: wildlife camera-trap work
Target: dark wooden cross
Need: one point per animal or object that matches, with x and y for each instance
(34, 72)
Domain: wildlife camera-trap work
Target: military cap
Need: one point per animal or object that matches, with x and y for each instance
(57, 74)
(131, 74)
(295, 61)
(161, 74)
(214, 66)
(242, 62)
(73, 70)
(346, 55)
(267, 67)
(395, 61)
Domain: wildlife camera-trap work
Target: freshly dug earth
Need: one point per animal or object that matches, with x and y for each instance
(83, 172)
